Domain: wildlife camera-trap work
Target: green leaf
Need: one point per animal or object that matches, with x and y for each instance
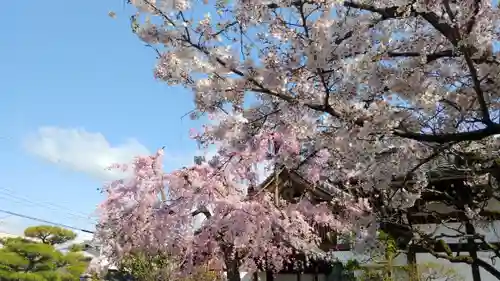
(50, 234)
(38, 260)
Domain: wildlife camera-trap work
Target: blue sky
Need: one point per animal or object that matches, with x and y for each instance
(77, 91)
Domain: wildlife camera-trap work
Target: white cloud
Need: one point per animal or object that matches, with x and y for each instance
(83, 151)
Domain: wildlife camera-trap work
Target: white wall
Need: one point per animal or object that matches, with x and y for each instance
(462, 270)
(8, 235)
(261, 276)
(491, 232)
(486, 276)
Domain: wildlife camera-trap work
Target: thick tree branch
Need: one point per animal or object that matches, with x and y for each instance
(202, 210)
(452, 137)
(439, 55)
(400, 11)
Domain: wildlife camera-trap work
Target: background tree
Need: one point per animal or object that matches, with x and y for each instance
(49, 234)
(146, 267)
(384, 266)
(429, 271)
(36, 258)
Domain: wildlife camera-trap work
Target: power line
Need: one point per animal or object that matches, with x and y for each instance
(8, 192)
(16, 200)
(46, 221)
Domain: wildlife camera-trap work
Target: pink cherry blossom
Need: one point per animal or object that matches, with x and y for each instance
(255, 226)
(350, 95)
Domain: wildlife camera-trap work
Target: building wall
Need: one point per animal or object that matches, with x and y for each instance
(8, 235)
(491, 232)
(261, 276)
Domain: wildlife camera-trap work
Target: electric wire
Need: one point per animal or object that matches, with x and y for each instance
(45, 221)
(52, 206)
(11, 192)
(17, 201)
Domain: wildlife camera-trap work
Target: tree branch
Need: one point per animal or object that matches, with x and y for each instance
(452, 137)
(438, 55)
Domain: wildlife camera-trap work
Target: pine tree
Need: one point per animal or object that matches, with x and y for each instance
(36, 258)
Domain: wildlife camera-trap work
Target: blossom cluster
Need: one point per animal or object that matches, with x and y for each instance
(338, 91)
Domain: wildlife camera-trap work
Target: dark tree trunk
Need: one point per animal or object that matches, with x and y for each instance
(232, 263)
(233, 272)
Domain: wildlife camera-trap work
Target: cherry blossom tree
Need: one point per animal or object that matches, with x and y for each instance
(352, 94)
(239, 231)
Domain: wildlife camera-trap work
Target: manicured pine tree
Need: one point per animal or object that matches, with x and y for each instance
(36, 258)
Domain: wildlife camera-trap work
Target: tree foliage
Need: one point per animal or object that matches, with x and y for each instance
(49, 234)
(353, 96)
(144, 267)
(35, 257)
(383, 266)
(429, 271)
(139, 266)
